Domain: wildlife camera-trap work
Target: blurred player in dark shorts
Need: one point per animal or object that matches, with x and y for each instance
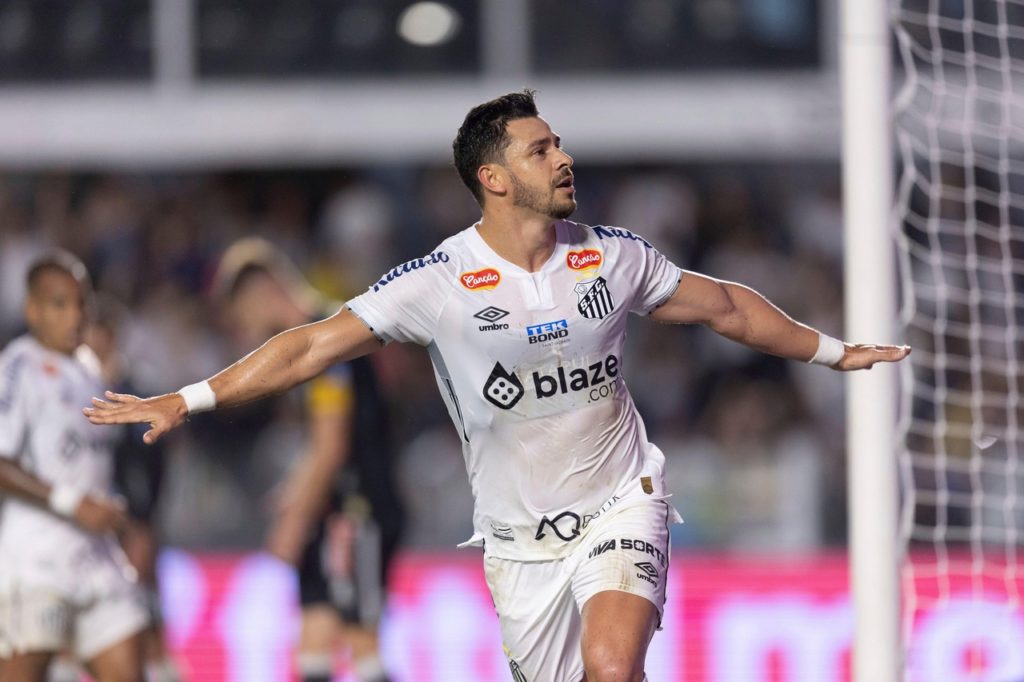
(337, 516)
(138, 474)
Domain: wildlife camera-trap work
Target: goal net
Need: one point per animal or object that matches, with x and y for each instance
(959, 119)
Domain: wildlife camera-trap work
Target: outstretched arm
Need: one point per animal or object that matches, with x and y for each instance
(743, 315)
(286, 360)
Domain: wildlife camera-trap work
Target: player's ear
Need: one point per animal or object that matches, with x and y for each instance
(492, 178)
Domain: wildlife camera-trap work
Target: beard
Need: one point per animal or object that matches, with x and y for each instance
(533, 199)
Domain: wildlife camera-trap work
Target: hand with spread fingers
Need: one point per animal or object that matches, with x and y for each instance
(865, 355)
(162, 413)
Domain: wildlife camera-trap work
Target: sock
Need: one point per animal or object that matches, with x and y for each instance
(63, 671)
(314, 667)
(370, 669)
(165, 670)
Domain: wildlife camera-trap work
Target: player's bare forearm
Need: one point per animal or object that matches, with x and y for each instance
(284, 361)
(743, 315)
(751, 319)
(17, 482)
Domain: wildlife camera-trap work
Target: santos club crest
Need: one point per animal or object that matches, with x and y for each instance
(595, 299)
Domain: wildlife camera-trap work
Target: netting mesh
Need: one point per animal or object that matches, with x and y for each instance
(960, 231)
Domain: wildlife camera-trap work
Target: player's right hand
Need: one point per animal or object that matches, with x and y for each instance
(162, 413)
(101, 514)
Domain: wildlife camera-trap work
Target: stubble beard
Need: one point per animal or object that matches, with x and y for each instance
(524, 196)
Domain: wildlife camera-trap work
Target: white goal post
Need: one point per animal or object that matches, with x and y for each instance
(870, 316)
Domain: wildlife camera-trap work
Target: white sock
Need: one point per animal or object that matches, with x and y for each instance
(315, 664)
(62, 670)
(163, 671)
(369, 669)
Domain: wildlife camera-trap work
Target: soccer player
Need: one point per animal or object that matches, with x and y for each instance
(338, 516)
(524, 316)
(65, 584)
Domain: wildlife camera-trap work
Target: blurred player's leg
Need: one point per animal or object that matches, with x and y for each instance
(121, 662)
(141, 547)
(27, 667)
(318, 640)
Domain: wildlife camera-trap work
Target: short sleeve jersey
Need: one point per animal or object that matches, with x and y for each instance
(42, 394)
(530, 367)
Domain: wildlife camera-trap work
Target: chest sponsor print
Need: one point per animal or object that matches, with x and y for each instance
(504, 389)
(480, 280)
(587, 259)
(547, 331)
(595, 300)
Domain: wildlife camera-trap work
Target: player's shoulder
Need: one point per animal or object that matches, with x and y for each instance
(440, 262)
(603, 237)
(20, 357)
(19, 351)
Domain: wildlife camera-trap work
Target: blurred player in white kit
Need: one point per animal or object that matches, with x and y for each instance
(65, 584)
(524, 316)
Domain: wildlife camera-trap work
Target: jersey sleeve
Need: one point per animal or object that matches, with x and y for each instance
(655, 278)
(405, 304)
(14, 410)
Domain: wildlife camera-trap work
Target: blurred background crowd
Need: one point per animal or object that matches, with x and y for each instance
(754, 444)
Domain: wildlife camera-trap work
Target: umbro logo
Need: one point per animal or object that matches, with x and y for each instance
(650, 573)
(648, 568)
(491, 315)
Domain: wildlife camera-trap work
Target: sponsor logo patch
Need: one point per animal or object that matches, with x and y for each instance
(547, 331)
(414, 264)
(595, 300)
(649, 572)
(503, 388)
(608, 232)
(502, 532)
(566, 526)
(584, 260)
(481, 280)
(492, 315)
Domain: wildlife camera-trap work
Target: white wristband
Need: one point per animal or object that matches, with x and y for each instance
(64, 499)
(198, 397)
(830, 351)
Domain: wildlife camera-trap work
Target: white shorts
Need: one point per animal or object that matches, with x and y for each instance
(102, 607)
(539, 602)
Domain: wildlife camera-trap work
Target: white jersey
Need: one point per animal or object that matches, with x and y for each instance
(42, 427)
(530, 367)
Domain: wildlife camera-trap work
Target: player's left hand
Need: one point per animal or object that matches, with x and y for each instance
(865, 355)
(162, 413)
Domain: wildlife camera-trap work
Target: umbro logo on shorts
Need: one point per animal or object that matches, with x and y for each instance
(503, 388)
(648, 568)
(595, 299)
(650, 573)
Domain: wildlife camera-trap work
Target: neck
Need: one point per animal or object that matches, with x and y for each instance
(524, 240)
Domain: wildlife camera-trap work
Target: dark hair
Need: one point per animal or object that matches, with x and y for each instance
(483, 136)
(60, 261)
